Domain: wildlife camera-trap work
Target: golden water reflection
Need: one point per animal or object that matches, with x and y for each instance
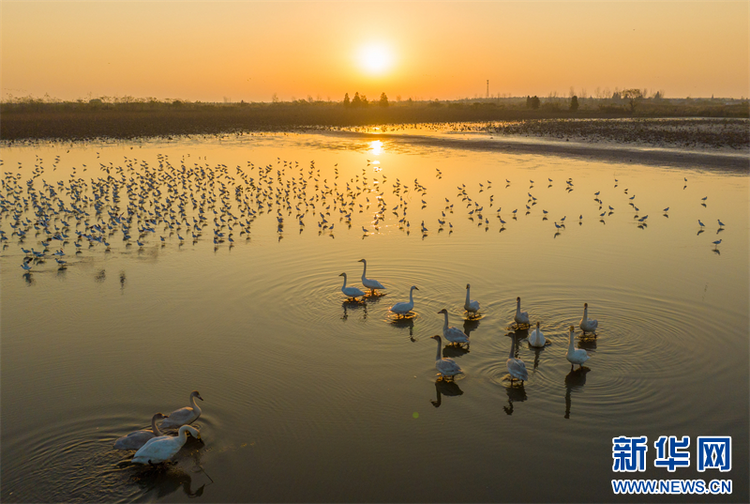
(323, 384)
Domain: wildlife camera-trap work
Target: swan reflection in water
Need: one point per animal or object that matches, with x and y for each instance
(537, 352)
(471, 324)
(165, 482)
(587, 342)
(353, 305)
(575, 380)
(451, 351)
(445, 388)
(516, 393)
(405, 323)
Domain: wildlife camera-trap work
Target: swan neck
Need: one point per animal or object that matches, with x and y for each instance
(585, 313)
(154, 428)
(570, 345)
(445, 326)
(196, 408)
(343, 287)
(437, 356)
(468, 296)
(364, 271)
(411, 295)
(183, 433)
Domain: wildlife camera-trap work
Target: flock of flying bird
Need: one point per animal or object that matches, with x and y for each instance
(449, 368)
(140, 205)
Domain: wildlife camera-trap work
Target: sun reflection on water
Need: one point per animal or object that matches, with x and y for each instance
(376, 147)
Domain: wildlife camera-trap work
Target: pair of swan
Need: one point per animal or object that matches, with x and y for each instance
(448, 368)
(354, 292)
(517, 368)
(138, 439)
(587, 325)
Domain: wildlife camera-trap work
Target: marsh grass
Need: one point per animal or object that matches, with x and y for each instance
(28, 118)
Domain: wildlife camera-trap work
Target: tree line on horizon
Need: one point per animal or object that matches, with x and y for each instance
(361, 101)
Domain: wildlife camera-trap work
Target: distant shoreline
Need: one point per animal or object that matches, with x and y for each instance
(609, 152)
(711, 135)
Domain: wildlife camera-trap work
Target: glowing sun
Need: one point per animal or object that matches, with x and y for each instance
(375, 58)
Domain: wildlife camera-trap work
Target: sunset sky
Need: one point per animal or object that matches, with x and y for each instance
(211, 51)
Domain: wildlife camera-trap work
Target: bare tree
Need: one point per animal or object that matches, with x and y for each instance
(633, 96)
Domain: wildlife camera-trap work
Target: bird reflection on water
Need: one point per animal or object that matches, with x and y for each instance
(164, 480)
(451, 351)
(349, 304)
(445, 388)
(471, 324)
(516, 393)
(537, 352)
(575, 380)
(405, 323)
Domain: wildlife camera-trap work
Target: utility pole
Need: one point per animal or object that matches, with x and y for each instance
(488, 88)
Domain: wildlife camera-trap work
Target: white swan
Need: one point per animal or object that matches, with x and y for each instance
(136, 439)
(588, 325)
(470, 306)
(516, 367)
(350, 292)
(368, 282)
(405, 307)
(536, 338)
(522, 317)
(162, 448)
(453, 334)
(446, 367)
(576, 355)
(186, 415)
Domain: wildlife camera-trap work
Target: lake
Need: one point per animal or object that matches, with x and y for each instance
(310, 397)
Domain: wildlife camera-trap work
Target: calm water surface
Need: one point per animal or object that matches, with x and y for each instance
(311, 398)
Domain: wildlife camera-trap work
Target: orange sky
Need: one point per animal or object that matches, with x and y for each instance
(250, 51)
